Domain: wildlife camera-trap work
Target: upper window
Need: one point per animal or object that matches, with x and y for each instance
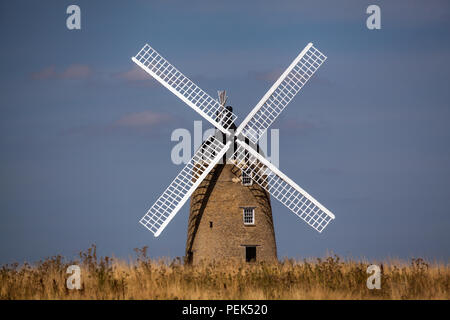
(249, 215)
(246, 178)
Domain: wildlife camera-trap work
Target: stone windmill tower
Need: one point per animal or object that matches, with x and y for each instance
(230, 217)
(230, 213)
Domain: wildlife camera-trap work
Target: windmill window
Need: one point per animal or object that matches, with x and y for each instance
(249, 216)
(246, 178)
(210, 224)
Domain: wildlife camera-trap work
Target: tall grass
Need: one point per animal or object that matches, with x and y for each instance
(143, 278)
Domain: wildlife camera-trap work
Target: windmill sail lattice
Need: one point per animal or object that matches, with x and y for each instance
(180, 85)
(246, 158)
(181, 188)
(281, 187)
(281, 93)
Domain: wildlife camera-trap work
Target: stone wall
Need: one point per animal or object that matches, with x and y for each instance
(220, 200)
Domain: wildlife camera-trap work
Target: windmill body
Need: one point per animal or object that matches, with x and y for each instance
(230, 218)
(217, 230)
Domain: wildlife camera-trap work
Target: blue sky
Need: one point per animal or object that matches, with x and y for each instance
(85, 136)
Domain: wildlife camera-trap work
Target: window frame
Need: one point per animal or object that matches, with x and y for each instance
(253, 215)
(246, 174)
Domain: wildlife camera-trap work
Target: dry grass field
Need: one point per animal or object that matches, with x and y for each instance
(143, 278)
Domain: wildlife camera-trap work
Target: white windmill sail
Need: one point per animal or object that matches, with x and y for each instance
(169, 76)
(245, 157)
(281, 93)
(185, 183)
(281, 187)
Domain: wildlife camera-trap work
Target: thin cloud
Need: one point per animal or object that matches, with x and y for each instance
(74, 71)
(137, 122)
(135, 76)
(142, 119)
(46, 73)
(266, 76)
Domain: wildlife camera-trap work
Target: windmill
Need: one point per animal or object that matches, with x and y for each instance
(204, 169)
